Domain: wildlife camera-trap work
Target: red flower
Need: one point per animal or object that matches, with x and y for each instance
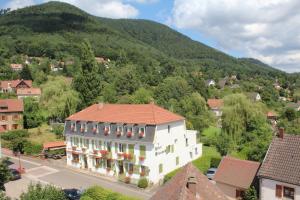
(141, 134)
(142, 158)
(103, 152)
(129, 134)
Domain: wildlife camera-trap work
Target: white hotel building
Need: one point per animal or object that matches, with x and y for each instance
(129, 141)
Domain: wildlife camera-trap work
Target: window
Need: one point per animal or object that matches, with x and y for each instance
(239, 194)
(108, 146)
(196, 151)
(131, 149)
(3, 117)
(169, 128)
(93, 144)
(186, 142)
(108, 163)
(16, 117)
(168, 149)
(143, 150)
(191, 155)
(177, 160)
(15, 126)
(122, 148)
(100, 144)
(278, 192)
(160, 168)
(288, 192)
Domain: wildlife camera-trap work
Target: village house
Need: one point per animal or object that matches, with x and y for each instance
(130, 141)
(235, 176)
(216, 106)
(254, 96)
(279, 174)
(13, 85)
(29, 92)
(189, 184)
(11, 114)
(210, 83)
(295, 106)
(16, 67)
(222, 83)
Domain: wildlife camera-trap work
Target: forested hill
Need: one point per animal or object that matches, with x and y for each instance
(55, 29)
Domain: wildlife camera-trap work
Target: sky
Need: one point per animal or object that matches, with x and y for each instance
(268, 30)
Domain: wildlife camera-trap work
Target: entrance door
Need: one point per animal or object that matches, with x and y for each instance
(121, 167)
(85, 162)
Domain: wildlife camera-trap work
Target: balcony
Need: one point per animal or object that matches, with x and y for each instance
(141, 134)
(118, 133)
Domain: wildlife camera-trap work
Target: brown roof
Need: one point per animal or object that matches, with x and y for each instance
(215, 103)
(55, 144)
(126, 113)
(282, 161)
(16, 66)
(29, 91)
(11, 105)
(271, 114)
(236, 172)
(15, 83)
(176, 188)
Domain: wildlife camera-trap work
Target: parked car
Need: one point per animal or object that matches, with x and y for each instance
(73, 194)
(211, 173)
(15, 174)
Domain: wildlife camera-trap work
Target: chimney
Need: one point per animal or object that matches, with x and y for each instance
(192, 185)
(281, 132)
(100, 105)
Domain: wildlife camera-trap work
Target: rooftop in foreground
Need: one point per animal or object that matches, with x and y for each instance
(126, 113)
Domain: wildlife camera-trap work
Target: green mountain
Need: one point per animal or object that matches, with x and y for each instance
(56, 29)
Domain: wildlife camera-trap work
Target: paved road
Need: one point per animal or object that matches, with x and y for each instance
(61, 176)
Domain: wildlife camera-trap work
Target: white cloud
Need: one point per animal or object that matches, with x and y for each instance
(143, 1)
(15, 4)
(106, 8)
(264, 29)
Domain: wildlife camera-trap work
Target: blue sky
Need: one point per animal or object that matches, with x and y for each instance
(268, 30)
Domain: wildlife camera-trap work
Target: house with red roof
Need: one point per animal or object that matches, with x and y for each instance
(235, 176)
(279, 174)
(16, 67)
(13, 85)
(189, 184)
(129, 141)
(216, 105)
(29, 92)
(11, 114)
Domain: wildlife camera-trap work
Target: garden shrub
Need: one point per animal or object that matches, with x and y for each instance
(32, 148)
(143, 183)
(215, 161)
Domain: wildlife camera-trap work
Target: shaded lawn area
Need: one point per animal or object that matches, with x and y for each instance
(41, 134)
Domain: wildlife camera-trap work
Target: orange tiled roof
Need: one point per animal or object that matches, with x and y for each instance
(16, 66)
(126, 113)
(29, 91)
(11, 105)
(54, 144)
(15, 83)
(215, 103)
(236, 172)
(271, 114)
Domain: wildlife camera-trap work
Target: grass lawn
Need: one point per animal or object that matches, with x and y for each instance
(41, 135)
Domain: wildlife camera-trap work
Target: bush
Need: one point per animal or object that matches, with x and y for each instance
(39, 192)
(32, 148)
(11, 135)
(215, 161)
(169, 175)
(143, 183)
(202, 163)
(99, 193)
(58, 130)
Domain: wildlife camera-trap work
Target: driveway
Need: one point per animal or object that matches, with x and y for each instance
(64, 177)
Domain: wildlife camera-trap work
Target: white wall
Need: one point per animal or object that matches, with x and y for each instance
(268, 189)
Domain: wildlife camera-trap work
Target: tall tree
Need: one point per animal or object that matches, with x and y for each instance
(39, 192)
(26, 73)
(88, 82)
(4, 174)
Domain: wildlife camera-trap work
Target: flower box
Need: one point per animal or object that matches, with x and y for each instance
(96, 151)
(129, 134)
(81, 130)
(141, 134)
(142, 158)
(121, 155)
(103, 152)
(94, 130)
(127, 179)
(128, 156)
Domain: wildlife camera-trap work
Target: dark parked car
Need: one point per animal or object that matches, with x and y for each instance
(73, 194)
(211, 173)
(15, 174)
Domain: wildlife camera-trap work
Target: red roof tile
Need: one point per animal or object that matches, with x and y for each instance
(236, 172)
(54, 144)
(11, 105)
(271, 114)
(126, 113)
(215, 103)
(176, 188)
(14, 83)
(29, 91)
(16, 66)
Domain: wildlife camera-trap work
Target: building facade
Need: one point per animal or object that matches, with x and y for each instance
(129, 141)
(11, 114)
(13, 85)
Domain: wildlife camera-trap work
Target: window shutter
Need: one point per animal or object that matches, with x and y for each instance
(279, 191)
(237, 193)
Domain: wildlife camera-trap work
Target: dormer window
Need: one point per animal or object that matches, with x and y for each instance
(82, 128)
(73, 126)
(106, 129)
(129, 132)
(119, 131)
(142, 132)
(95, 128)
